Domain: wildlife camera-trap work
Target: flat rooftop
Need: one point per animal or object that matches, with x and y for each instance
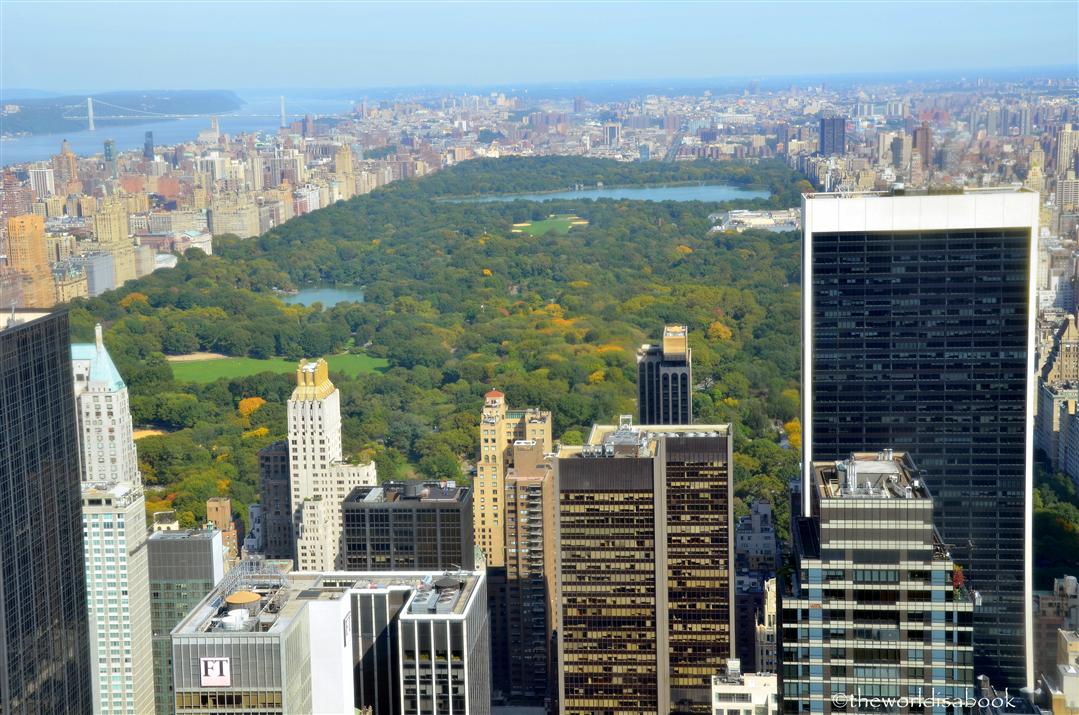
(182, 534)
(261, 597)
(423, 492)
(13, 318)
(629, 440)
(903, 191)
(870, 475)
(104, 494)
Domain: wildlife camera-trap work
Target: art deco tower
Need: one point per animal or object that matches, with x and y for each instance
(114, 524)
(320, 478)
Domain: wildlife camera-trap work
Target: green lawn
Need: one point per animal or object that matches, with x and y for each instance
(210, 370)
(558, 224)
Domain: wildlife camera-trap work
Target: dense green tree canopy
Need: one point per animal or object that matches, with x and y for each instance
(459, 304)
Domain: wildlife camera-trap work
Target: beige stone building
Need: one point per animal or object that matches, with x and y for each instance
(500, 428)
(240, 218)
(111, 233)
(1062, 363)
(70, 284)
(27, 255)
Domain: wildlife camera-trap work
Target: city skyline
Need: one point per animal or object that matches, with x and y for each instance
(484, 391)
(582, 45)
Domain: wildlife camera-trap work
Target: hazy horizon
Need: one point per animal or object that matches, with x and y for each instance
(841, 78)
(324, 46)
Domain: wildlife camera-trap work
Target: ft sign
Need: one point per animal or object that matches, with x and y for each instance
(215, 671)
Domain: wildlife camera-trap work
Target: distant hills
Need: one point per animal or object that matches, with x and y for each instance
(42, 114)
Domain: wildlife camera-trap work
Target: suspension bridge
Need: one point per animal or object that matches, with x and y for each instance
(134, 113)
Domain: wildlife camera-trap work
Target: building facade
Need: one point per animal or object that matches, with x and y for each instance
(320, 479)
(833, 136)
(275, 496)
(738, 693)
(104, 415)
(665, 379)
(1062, 683)
(219, 513)
(112, 235)
(755, 542)
(184, 566)
(117, 589)
(1062, 362)
(500, 429)
(767, 656)
(27, 256)
(530, 567)
(1053, 611)
(645, 580)
(114, 529)
(409, 526)
(875, 607)
(918, 335)
(1056, 407)
(45, 663)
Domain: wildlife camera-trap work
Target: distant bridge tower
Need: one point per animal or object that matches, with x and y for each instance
(90, 112)
(283, 123)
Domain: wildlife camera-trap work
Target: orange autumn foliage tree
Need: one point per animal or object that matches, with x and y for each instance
(247, 407)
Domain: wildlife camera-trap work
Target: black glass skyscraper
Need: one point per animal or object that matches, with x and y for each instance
(148, 147)
(665, 379)
(918, 332)
(833, 136)
(44, 634)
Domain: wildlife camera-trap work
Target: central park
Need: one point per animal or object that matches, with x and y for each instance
(546, 301)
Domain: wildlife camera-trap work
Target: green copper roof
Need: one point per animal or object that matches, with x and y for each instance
(102, 368)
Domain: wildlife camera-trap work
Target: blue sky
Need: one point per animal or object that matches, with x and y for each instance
(78, 46)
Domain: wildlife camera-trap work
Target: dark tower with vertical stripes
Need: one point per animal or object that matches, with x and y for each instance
(665, 379)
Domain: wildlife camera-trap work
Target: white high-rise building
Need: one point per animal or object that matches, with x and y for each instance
(43, 182)
(106, 442)
(320, 478)
(114, 524)
(736, 692)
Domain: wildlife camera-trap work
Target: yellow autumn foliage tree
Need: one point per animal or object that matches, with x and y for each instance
(794, 432)
(596, 376)
(249, 405)
(719, 331)
(133, 297)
